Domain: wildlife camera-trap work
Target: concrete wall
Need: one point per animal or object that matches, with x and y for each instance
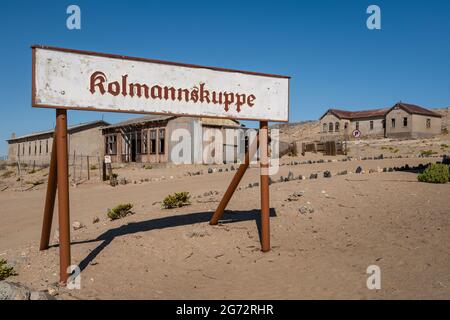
(420, 129)
(325, 127)
(399, 131)
(86, 143)
(365, 127)
(31, 151)
(346, 127)
(191, 125)
(34, 149)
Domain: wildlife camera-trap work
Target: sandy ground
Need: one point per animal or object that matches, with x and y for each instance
(384, 219)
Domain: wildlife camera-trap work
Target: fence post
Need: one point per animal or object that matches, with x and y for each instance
(81, 167)
(99, 168)
(88, 168)
(73, 164)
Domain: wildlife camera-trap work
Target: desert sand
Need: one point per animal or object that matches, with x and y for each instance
(325, 232)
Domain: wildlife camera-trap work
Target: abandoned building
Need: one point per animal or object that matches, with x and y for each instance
(138, 140)
(148, 139)
(401, 121)
(83, 139)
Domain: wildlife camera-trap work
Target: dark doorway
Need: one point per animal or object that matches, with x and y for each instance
(133, 148)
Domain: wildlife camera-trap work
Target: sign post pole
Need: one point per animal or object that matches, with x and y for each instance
(49, 199)
(63, 192)
(264, 186)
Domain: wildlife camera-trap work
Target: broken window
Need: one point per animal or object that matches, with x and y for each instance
(152, 141)
(330, 127)
(138, 137)
(40, 147)
(428, 123)
(405, 121)
(162, 140)
(324, 128)
(393, 123)
(336, 127)
(46, 146)
(111, 144)
(371, 124)
(384, 124)
(18, 149)
(29, 148)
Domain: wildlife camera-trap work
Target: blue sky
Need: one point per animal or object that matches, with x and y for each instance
(325, 46)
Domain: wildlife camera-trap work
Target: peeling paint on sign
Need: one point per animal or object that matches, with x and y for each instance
(82, 80)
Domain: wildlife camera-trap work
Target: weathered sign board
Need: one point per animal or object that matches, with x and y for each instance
(74, 79)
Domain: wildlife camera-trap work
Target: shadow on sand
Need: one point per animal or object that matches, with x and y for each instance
(167, 222)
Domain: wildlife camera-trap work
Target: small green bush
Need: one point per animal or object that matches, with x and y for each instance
(427, 153)
(436, 173)
(148, 167)
(93, 167)
(113, 176)
(444, 146)
(35, 183)
(5, 270)
(176, 200)
(120, 211)
(445, 131)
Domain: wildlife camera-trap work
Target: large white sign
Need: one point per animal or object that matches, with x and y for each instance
(73, 79)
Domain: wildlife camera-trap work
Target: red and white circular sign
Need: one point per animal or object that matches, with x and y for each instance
(356, 133)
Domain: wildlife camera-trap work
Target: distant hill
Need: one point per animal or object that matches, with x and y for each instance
(295, 131)
(445, 112)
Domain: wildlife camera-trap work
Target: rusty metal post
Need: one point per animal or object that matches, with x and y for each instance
(264, 185)
(49, 200)
(63, 192)
(234, 183)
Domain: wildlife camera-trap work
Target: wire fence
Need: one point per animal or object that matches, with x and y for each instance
(84, 167)
(81, 167)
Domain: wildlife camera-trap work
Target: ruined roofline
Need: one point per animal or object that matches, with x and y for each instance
(70, 129)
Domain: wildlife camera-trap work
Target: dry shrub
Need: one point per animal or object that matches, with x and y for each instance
(176, 200)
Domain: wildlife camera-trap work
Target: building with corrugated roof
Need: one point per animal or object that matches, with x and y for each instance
(403, 120)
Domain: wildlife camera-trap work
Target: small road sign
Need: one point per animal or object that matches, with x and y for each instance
(356, 133)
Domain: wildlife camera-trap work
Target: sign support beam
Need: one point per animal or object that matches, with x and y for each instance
(49, 199)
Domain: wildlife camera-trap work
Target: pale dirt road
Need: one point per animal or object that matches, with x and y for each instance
(384, 219)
